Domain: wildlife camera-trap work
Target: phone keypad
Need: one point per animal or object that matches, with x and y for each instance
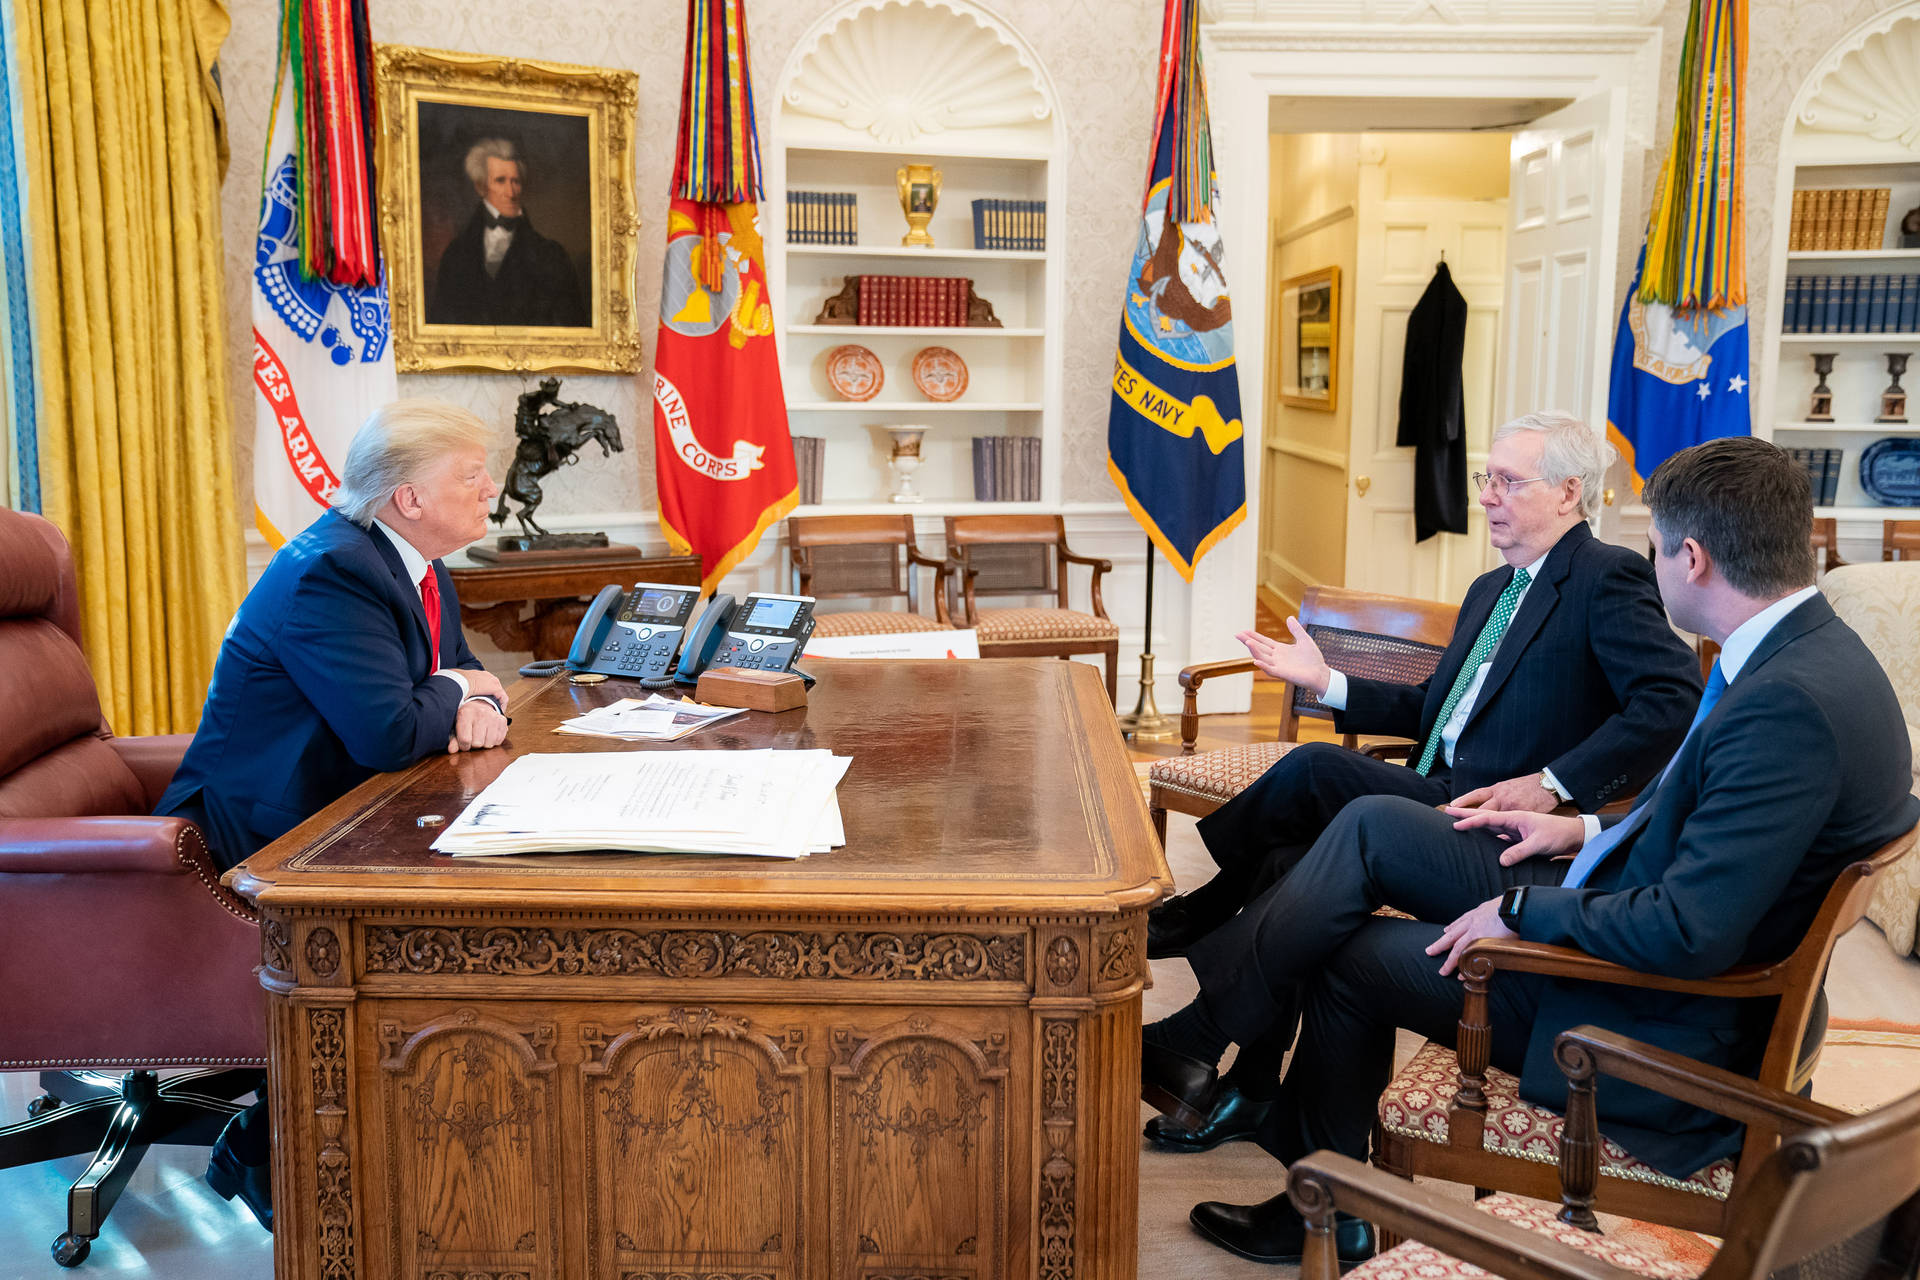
(632, 656)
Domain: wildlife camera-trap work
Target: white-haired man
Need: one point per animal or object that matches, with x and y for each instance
(1562, 683)
(345, 660)
(498, 270)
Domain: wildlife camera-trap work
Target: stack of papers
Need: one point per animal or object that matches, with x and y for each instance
(654, 719)
(765, 804)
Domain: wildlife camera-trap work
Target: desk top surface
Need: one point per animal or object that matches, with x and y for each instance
(995, 786)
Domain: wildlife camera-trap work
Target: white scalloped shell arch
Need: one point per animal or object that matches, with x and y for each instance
(899, 71)
(1869, 83)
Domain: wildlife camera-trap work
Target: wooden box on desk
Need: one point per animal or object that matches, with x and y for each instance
(754, 690)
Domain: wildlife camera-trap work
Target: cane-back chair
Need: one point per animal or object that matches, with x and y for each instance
(1457, 1117)
(868, 558)
(1835, 1197)
(1376, 637)
(1028, 556)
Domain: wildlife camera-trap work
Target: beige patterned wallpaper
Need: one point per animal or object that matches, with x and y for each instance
(1100, 54)
(1107, 114)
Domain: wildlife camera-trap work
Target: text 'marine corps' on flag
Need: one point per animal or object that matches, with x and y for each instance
(322, 351)
(1174, 437)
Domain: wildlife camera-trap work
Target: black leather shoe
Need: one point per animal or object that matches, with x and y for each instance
(1175, 925)
(1178, 1087)
(1234, 1116)
(251, 1182)
(1273, 1231)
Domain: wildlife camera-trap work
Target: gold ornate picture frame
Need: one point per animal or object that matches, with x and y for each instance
(544, 283)
(1308, 336)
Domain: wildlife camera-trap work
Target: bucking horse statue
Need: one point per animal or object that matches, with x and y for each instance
(552, 432)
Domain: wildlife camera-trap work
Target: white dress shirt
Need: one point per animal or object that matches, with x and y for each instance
(1739, 646)
(1336, 694)
(494, 242)
(416, 566)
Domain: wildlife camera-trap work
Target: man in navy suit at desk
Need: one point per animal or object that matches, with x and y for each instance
(345, 660)
(1797, 764)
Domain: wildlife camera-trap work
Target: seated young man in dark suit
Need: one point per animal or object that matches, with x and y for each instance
(345, 660)
(1797, 764)
(1562, 683)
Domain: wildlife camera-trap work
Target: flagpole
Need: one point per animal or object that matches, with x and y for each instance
(1145, 723)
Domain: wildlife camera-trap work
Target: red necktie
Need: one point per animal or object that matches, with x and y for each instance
(430, 597)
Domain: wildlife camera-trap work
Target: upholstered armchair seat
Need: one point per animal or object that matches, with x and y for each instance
(1416, 1261)
(1212, 778)
(1004, 626)
(858, 622)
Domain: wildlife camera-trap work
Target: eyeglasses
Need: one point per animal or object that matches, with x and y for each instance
(1500, 484)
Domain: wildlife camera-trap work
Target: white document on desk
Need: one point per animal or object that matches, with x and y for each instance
(763, 803)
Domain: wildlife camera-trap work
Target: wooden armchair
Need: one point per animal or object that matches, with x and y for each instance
(1027, 556)
(1899, 539)
(1826, 544)
(1461, 1119)
(1838, 1197)
(1362, 634)
(870, 557)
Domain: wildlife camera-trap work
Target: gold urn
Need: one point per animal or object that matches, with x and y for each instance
(919, 196)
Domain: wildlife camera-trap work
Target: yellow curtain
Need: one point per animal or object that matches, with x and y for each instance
(125, 149)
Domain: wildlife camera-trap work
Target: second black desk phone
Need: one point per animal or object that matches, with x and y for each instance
(639, 633)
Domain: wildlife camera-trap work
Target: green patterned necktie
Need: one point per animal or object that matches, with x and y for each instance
(1489, 639)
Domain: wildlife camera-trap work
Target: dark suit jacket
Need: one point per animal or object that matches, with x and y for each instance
(324, 680)
(1801, 768)
(1433, 408)
(534, 286)
(1589, 680)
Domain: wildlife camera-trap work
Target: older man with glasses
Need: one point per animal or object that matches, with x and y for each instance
(1562, 684)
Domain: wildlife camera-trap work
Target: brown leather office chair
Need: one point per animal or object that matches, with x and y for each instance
(121, 955)
(1455, 1116)
(1363, 634)
(1838, 1197)
(868, 557)
(1028, 556)
(1899, 539)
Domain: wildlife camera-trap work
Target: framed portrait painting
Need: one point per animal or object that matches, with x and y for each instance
(1308, 335)
(507, 212)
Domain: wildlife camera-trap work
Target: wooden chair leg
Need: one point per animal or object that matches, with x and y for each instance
(1579, 1139)
(1389, 1156)
(1159, 823)
(1112, 657)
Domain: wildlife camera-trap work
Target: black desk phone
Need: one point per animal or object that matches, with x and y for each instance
(633, 633)
(639, 634)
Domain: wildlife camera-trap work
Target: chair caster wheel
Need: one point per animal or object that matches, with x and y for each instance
(71, 1250)
(41, 1105)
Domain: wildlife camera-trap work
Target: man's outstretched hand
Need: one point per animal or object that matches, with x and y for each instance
(1527, 833)
(1481, 922)
(1299, 662)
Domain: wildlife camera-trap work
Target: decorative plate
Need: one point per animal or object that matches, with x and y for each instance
(854, 372)
(1890, 471)
(939, 373)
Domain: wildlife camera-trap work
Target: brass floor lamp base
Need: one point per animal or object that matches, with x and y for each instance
(1145, 723)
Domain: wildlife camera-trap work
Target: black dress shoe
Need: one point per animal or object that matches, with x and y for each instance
(251, 1182)
(1178, 1087)
(1274, 1231)
(1234, 1116)
(1175, 925)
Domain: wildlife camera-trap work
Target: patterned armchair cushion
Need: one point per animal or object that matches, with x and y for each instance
(1416, 1261)
(886, 623)
(1415, 1106)
(1214, 776)
(1007, 625)
(1882, 603)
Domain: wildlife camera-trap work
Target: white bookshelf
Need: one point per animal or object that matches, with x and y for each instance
(839, 127)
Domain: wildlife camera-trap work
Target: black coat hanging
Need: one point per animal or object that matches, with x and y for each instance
(1433, 407)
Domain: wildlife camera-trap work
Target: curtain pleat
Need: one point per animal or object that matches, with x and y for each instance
(126, 151)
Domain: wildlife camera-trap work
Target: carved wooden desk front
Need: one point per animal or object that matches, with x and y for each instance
(917, 1056)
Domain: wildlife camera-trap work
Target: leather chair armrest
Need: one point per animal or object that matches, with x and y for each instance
(153, 759)
(87, 846)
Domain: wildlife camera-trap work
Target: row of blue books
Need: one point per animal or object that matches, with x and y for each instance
(1010, 224)
(1823, 468)
(822, 217)
(1853, 304)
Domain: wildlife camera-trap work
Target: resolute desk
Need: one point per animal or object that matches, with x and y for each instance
(917, 1056)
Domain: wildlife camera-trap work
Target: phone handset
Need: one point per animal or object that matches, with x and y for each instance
(704, 640)
(593, 629)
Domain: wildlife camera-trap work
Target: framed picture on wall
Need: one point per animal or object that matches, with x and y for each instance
(1309, 340)
(507, 212)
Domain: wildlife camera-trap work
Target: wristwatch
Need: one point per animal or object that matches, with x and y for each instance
(1512, 902)
(1546, 784)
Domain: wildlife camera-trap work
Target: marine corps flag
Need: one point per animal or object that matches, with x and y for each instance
(723, 457)
(322, 329)
(1680, 354)
(1173, 429)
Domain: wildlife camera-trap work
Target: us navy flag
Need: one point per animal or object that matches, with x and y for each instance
(1174, 443)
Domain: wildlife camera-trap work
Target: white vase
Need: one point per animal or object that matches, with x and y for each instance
(905, 461)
